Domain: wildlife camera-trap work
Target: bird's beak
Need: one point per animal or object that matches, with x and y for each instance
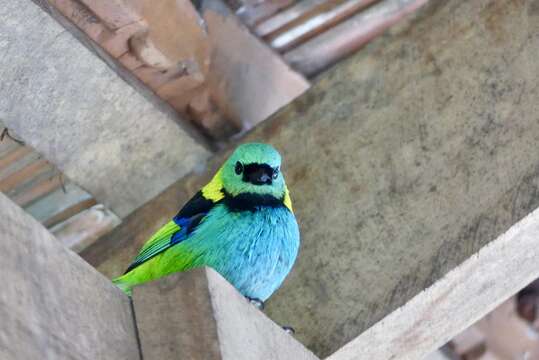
(258, 174)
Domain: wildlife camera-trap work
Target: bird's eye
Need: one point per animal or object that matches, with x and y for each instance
(275, 173)
(238, 168)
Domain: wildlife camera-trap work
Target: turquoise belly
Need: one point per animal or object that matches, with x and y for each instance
(254, 251)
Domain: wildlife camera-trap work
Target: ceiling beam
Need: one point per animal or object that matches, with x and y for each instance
(71, 107)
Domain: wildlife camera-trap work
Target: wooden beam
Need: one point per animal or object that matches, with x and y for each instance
(53, 304)
(467, 292)
(199, 315)
(402, 162)
(86, 120)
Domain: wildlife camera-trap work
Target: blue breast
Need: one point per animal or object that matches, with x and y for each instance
(253, 250)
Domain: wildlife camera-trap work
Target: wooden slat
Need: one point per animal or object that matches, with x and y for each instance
(323, 19)
(467, 292)
(14, 155)
(319, 53)
(401, 164)
(59, 205)
(262, 84)
(299, 10)
(82, 229)
(199, 315)
(25, 174)
(37, 190)
(53, 304)
(88, 121)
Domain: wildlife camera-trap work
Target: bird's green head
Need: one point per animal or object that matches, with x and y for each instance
(254, 168)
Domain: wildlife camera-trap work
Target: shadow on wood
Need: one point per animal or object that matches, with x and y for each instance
(199, 315)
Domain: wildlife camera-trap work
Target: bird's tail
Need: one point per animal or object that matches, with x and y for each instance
(123, 285)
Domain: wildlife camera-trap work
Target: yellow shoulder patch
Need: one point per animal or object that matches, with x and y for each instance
(212, 190)
(287, 201)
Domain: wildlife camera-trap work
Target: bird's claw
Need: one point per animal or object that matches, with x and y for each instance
(257, 302)
(289, 329)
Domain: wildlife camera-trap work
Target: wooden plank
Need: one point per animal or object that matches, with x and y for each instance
(53, 305)
(199, 315)
(87, 121)
(25, 174)
(115, 13)
(506, 334)
(7, 145)
(437, 355)
(68, 211)
(14, 155)
(18, 165)
(402, 162)
(319, 53)
(299, 10)
(83, 229)
(467, 292)
(332, 13)
(37, 189)
(59, 205)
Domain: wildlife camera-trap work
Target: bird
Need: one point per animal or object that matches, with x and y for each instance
(241, 224)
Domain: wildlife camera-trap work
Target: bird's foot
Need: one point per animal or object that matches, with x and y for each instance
(289, 329)
(256, 302)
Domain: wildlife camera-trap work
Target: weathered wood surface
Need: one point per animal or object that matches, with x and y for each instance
(81, 230)
(59, 204)
(198, 315)
(53, 305)
(467, 292)
(323, 19)
(403, 161)
(71, 107)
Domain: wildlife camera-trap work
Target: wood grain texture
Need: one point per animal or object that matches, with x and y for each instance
(53, 305)
(199, 316)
